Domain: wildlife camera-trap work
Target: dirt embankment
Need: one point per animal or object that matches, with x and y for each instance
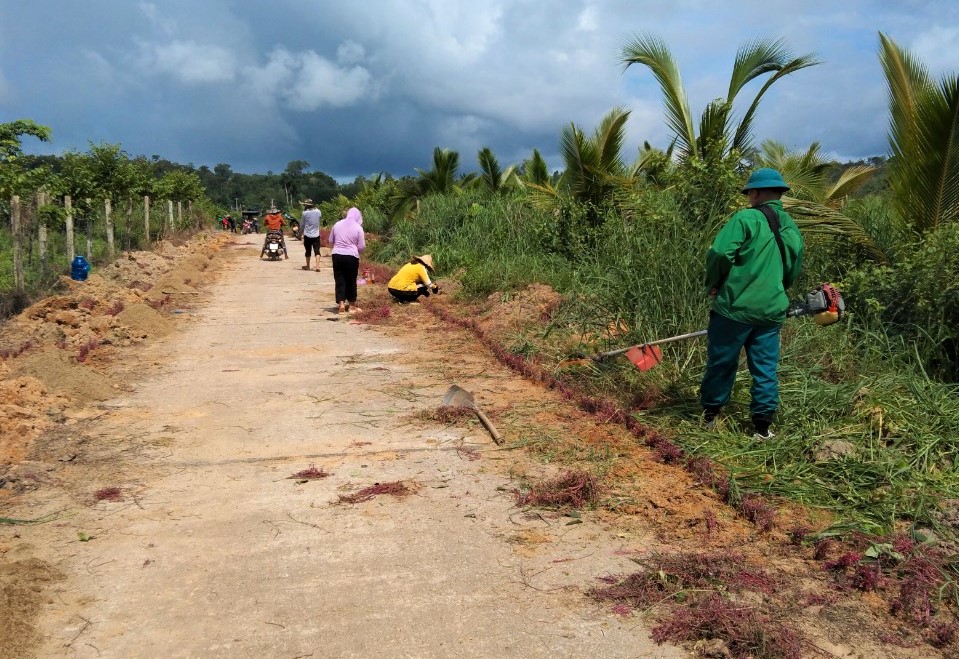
(54, 364)
(51, 353)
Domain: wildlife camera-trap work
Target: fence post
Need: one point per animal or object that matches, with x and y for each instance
(169, 208)
(127, 238)
(146, 219)
(71, 248)
(42, 232)
(17, 244)
(90, 233)
(108, 219)
(179, 214)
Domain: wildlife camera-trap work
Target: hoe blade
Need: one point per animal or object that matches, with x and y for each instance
(644, 357)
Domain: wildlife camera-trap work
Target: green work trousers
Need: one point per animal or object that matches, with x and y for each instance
(727, 338)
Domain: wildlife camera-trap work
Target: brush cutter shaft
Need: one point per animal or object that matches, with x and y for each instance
(681, 337)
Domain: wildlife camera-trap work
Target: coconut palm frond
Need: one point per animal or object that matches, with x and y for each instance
(753, 59)
(906, 79)
(773, 154)
(741, 141)
(816, 219)
(608, 140)
(924, 137)
(849, 181)
(714, 129)
(932, 174)
(542, 197)
(491, 175)
(654, 53)
(535, 169)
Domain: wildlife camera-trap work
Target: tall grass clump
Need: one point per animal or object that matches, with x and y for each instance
(484, 238)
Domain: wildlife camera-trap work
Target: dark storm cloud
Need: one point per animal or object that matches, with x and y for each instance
(358, 88)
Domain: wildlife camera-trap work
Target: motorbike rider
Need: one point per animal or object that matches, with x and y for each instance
(274, 223)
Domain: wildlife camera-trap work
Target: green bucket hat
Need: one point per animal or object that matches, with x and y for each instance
(765, 177)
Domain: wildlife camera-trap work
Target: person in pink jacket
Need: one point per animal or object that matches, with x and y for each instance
(347, 241)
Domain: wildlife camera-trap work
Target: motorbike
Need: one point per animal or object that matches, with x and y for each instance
(295, 229)
(247, 226)
(274, 247)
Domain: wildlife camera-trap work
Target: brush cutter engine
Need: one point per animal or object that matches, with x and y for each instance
(824, 304)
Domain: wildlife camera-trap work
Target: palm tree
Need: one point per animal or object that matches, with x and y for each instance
(535, 170)
(717, 136)
(595, 173)
(814, 201)
(492, 178)
(442, 178)
(924, 137)
(808, 173)
(653, 165)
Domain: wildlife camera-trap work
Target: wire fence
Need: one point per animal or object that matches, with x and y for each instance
(44, 235)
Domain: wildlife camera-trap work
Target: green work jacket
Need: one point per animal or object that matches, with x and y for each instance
(745, 266)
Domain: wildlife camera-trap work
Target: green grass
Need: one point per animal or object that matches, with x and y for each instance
(851, 387)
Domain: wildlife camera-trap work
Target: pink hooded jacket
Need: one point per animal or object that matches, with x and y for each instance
(346, 236)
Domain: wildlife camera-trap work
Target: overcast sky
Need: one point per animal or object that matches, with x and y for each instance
(362, 86)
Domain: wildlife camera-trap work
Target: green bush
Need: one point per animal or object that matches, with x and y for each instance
(917, 298)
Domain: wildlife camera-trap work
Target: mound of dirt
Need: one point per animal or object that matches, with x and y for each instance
(143, 322)
(26, 410)
(61, 373)
(532, 306)
(21, 594)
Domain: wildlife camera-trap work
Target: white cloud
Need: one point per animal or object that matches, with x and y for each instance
(937, 48)
(188, 61)
(350, 52)
(306, 82)
(152, 14)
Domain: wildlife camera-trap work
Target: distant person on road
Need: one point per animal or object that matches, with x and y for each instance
(413, 280)
(310, 226)
(347, 240)
(755, 257)
(231, 223)
(274, 222)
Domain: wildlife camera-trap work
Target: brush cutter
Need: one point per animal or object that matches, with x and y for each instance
(459, 397)
(824, 304)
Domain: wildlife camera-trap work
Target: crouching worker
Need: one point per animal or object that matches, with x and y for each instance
(413, 280)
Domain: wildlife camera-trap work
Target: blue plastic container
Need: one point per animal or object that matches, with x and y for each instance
(79, 268)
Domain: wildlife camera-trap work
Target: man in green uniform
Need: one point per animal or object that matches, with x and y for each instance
(748, 269)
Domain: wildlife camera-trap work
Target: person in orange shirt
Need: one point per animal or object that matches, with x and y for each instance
(274, 222)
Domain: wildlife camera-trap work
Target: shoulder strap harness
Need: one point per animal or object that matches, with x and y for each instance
(772, 217)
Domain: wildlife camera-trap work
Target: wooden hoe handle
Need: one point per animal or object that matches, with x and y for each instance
(489, 425)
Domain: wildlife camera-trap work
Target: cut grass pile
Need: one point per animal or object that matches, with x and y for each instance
(394, 488)
(693, 594)
(108, 494)
(310, 473)
(573, 489)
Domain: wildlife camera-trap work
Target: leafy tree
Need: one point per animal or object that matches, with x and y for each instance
(924, 137)
(16, 178)
(292, 178)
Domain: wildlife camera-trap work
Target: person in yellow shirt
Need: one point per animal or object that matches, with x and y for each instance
(413, 280)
